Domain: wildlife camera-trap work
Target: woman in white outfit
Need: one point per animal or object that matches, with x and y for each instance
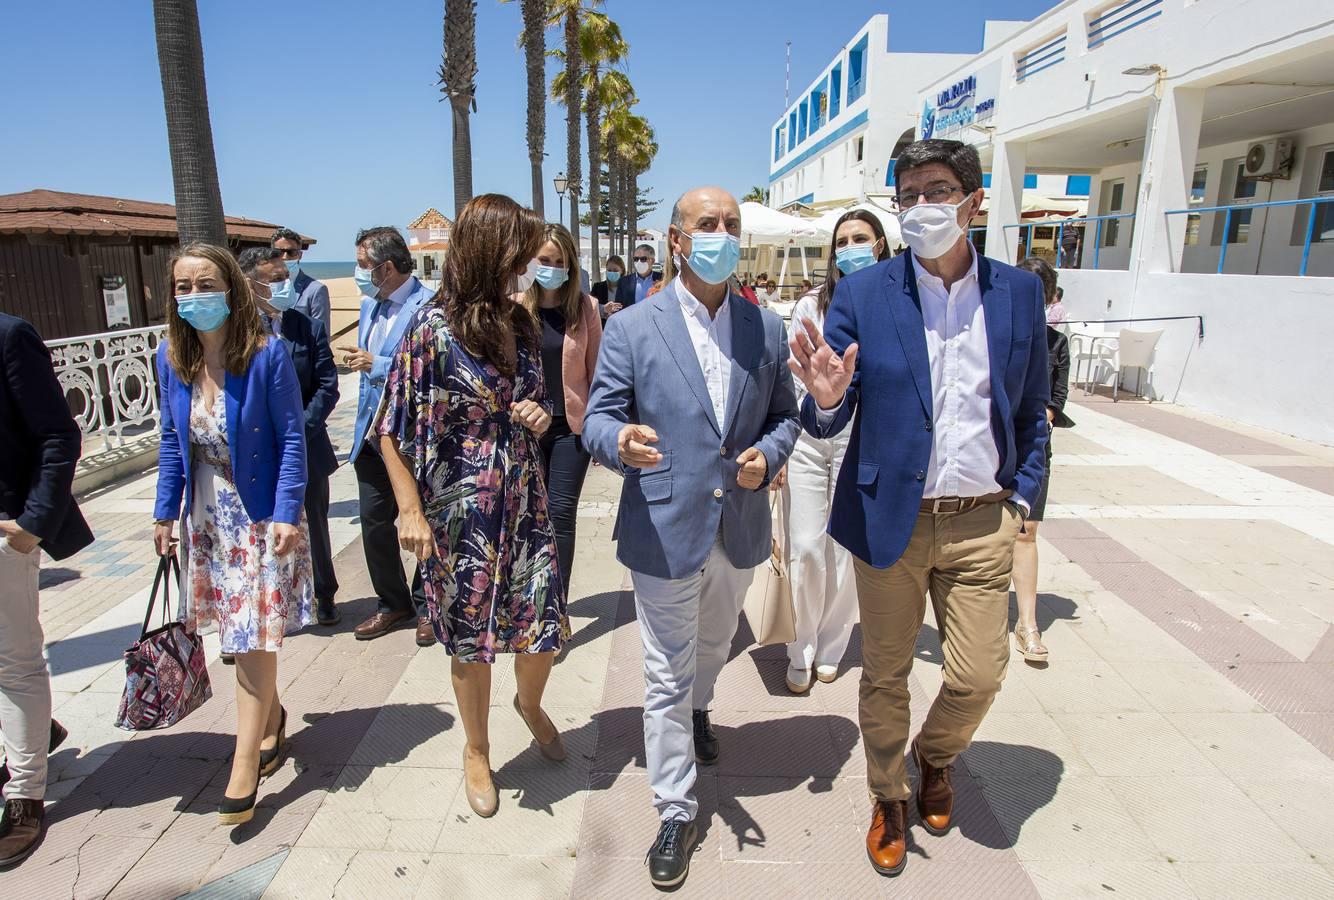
(824, 591)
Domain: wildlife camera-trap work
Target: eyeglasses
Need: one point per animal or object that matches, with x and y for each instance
(290, 254)
(643, 259)
(934, 195)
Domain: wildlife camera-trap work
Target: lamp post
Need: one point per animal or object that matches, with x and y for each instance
(561, 182)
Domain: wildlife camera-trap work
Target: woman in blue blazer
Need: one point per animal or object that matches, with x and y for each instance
(233, 445)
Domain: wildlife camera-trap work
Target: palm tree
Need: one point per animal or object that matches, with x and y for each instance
(756, 194)
(645, 149)
(534, 41)
(568, 14)
(620, 138)
(458, 73)
(601, 46)
(194, 170)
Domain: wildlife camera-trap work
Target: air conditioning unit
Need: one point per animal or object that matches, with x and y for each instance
(1269, 159)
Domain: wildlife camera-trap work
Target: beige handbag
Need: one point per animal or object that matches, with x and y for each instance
(768, 605)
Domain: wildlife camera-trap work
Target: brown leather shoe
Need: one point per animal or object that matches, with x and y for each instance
(20, 830)
(935, 794)
(425, 633)
(887, 841)
(379, 624)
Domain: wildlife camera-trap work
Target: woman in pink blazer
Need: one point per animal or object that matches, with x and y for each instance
(571, 332)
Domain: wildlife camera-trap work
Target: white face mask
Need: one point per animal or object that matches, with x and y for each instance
(524, 281)
(931, 229)
(643, 268)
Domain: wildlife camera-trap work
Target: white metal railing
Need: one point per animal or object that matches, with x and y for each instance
(110, 381)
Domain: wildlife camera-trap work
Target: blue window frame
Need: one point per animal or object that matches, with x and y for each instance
(857, 70)
(778, 143)
(1078, 185)
(816, 102)
(889, 173)
(1030, 182)
(792, 130)
(986, 181)
(835, 90)
(802, 120)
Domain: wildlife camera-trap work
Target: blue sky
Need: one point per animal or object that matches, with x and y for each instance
(326, 114)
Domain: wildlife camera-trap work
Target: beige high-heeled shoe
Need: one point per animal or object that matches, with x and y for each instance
(483, 802)
(554, 749)
(1028, 641)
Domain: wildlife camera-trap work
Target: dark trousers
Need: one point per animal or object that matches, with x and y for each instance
(564, 466)
(321, 549)
(379, 538)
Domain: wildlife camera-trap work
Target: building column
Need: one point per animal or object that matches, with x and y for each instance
(1006, 195)
(1171, 143)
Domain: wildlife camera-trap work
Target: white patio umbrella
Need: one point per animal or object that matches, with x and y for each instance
(888, 221)
(762, 225)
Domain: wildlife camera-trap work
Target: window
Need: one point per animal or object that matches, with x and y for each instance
(1324, 212)
(1114, 202)
(986, 181)
(1078, 185)
(1196, 199)
(835, 90)
(857, 71)
(859, 149)
(778, 143)
(1048, 52)
(802, 119)
(792, 130)
(819, 104)
(1030, 182)
(1243, 190)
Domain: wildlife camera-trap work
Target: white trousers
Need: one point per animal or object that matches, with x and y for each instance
(25, 686)
(687, 626)
(824, 591)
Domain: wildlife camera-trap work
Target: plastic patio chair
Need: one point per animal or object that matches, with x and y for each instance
(1134, 350)
(1089, 343)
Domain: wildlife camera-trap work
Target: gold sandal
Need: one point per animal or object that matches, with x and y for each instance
(1028, 641)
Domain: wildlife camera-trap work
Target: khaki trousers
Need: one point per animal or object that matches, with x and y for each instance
(964, 561)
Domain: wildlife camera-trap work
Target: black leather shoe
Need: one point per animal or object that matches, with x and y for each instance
(234, 811)
(327, 613)
(669, 858)
(58, 735)
(271, 760)
(20, 830)
(706, 742)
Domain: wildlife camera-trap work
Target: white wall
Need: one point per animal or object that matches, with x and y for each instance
(1265, 359)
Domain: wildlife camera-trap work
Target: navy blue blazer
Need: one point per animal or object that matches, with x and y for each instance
(883, 478)
(39, 444)
(317, 374)
(625, 288)
(312, 298)
(266, 438)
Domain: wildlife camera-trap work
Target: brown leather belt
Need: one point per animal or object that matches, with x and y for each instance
(938, 505)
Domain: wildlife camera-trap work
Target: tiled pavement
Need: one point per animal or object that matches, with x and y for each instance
(1180, 744)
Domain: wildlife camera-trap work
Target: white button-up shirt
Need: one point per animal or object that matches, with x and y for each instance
(385, 314)
(712, 340)
(964, 456)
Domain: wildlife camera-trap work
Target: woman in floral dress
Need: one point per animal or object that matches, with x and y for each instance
(464, 407)
(233, 447)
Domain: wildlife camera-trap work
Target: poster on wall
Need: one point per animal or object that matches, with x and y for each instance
(969, 101)
(116, 299)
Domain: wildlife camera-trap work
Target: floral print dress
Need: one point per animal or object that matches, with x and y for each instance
(236, 581)
(492, 586)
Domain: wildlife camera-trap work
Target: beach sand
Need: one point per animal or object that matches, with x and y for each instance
(345, 306)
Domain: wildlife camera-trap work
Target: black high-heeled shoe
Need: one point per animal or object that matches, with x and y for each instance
(271, 760)
(232, 811)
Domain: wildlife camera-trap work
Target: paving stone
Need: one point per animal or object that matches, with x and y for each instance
(1243, 882)
(1124, 880)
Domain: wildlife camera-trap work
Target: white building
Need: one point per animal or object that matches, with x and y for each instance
(428, 242)
(1206, 128)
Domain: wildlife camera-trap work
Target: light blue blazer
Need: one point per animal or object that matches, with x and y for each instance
(371, 386)
(266, 438)
(648, 373)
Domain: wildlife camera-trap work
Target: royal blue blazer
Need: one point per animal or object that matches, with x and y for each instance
(266, 438)
(883, 478)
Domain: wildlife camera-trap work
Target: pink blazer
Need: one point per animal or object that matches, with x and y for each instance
(578, 360)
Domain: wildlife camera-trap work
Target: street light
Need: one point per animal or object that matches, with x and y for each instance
(561, 183)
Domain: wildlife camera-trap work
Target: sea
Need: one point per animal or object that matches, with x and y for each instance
(322, 271)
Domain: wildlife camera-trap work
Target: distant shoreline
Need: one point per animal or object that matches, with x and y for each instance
(323, 271)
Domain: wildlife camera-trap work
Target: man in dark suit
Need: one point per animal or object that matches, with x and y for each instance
(39, 448)
(635, 287)
(946, 456)
(312, 297)
(308, 343)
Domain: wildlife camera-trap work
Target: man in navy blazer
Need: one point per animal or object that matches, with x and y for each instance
(312, 297)
(938, 359)
(391, 297)
(308, 344)
(39, 448)
(693, 403)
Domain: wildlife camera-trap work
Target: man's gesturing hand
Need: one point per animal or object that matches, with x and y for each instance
(825, 373)
(753, 469)
(633, 446)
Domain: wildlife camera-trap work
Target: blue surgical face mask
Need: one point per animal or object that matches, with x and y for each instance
(293, 268)
(281, 295)
(855, 256)
(613, 276)
(551, 277)
(365, 282)
(203, 312)
(714, 255)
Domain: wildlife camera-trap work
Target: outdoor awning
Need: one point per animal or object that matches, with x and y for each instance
(762, 225)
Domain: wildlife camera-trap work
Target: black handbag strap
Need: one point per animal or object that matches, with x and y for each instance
(167, 568)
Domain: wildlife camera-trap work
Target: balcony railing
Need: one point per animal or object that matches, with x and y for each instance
(1075, 223)
(110, 381)
(1121, 19)
(1313, 202)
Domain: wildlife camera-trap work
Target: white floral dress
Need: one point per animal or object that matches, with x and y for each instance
(235, 580)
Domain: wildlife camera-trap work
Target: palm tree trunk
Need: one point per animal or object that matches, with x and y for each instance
(634, 205)
(458, 73)
(594, 111)
(573, 106)
(462, 155)
(535, 51)
(194, 169)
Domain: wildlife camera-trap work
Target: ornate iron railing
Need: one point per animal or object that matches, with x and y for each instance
(110, 381)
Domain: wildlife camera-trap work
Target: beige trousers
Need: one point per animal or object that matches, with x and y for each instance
(963, 560)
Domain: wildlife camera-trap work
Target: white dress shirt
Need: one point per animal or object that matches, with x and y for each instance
(385, 314)
(712, 339)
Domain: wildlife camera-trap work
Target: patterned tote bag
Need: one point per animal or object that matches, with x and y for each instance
(166, 675)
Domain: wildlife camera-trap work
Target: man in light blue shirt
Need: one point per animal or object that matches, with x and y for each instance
(635, 288)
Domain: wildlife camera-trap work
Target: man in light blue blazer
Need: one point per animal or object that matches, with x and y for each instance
(312, 296)
(391, 296)
(693, 404)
